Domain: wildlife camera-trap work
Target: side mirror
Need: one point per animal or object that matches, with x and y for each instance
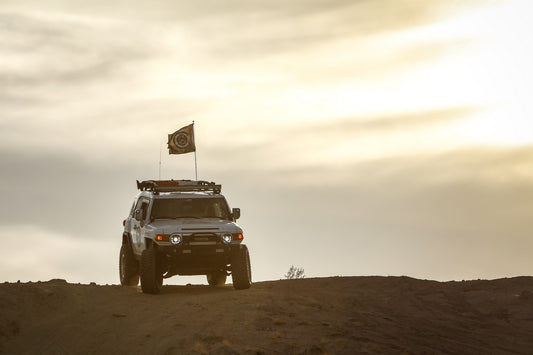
(236, 213)
(138, 215)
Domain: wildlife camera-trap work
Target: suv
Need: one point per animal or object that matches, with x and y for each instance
(182, 227)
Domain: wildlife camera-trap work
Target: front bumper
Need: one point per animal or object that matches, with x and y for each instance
(198, 254)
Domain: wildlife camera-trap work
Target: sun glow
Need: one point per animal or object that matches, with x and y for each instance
(494, 74)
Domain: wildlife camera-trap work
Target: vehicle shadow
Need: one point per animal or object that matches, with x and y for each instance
(195, 289)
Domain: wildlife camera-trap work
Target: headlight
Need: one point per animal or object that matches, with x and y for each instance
(226, 238)
(176, 238)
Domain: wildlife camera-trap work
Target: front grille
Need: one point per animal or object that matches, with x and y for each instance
(203, 239)
(199, 229)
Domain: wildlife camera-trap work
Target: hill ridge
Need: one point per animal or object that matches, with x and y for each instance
(384, 314)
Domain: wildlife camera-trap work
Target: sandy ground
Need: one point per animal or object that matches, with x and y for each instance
(396, 315)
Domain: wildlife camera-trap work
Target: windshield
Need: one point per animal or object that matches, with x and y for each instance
(190, 208)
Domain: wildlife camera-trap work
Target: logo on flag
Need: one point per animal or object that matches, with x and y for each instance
(182, 141)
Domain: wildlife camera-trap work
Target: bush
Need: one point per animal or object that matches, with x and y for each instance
(295, 273)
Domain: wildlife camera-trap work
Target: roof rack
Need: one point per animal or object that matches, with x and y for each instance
(178, 186)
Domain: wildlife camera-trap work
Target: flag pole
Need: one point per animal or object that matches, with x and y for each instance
(160, 159)
(195, 164)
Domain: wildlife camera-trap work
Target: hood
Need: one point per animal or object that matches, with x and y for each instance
(193, 225)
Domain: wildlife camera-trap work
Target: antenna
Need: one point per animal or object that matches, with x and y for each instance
(160, 159)
(195, 165)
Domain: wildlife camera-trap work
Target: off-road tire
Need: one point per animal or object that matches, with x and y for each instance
(217, 278)
(151, 273)
(128, 267)
(241, 271)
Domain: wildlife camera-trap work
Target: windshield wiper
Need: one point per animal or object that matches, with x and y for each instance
(174, 217)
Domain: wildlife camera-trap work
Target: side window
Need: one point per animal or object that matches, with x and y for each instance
(138, 205)
(144, 208)
(142, 204)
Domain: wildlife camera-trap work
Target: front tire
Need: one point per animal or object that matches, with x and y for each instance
(241, 271)
(217, 278)
(151, 271)
(128, 267)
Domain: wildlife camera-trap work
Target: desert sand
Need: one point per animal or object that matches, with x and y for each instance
(339, 315)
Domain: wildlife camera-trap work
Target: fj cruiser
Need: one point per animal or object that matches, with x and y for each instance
(182, 227)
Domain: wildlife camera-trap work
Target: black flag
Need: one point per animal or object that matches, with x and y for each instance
(182, 141)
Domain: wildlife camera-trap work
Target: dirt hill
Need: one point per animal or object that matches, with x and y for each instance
(311, 316)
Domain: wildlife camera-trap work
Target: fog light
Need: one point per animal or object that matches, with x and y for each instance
(226, 238)
(176, 238)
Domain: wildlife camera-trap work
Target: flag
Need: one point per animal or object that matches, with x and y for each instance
(182, 141)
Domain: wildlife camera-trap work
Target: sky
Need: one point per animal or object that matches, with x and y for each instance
(369, 137)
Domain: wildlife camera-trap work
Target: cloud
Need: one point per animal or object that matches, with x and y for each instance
(460, 214)
(212, 29)
(161, 10)
(83, 198)
(447, 216)
(47, 255)
(112, 71)
(51, 50)
(280, 28)
(394, 122)
(67, 196)
(319, 143)
(281, 92)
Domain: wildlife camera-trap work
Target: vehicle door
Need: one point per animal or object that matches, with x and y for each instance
(138, 223)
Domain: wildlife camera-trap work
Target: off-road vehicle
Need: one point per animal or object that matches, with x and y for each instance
(182, 227)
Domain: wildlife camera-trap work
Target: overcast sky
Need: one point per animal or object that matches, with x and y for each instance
(370, 137)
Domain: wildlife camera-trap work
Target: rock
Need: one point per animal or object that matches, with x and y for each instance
(525, 295)
(63, 281)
